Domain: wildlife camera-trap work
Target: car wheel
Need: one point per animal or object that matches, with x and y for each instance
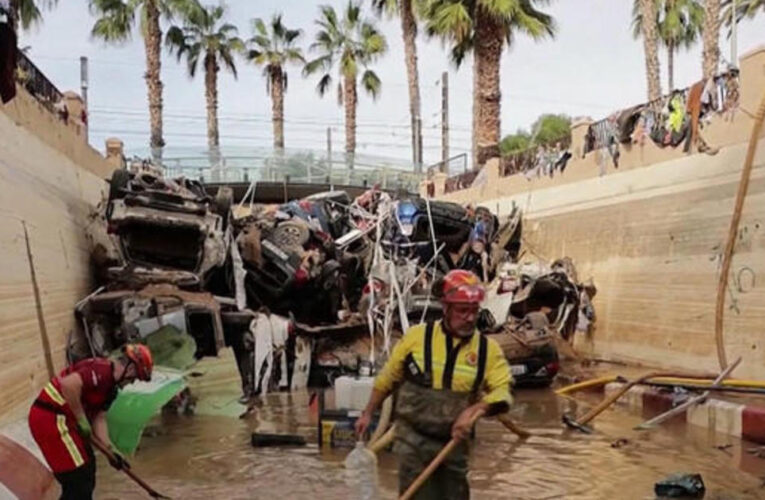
(224, 199)
(118, 184)
(290, 234)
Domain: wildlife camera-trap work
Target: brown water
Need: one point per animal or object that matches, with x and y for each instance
(209, 456)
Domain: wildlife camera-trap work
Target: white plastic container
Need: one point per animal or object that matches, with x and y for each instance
(352, 393)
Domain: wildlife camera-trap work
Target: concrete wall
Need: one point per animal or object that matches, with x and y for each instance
(49, 179)
(723, 131)
(651, 235)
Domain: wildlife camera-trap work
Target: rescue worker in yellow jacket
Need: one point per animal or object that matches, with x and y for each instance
(445, 373)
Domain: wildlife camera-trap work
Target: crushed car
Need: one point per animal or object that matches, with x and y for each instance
(533, 311)
(110, 318)
(151, 229)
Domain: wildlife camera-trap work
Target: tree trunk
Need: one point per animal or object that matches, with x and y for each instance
(476, 112)
(13, 15)
(277, 107)
(488, 52)
(651, 49)
(671, 66)
(211, 94)
(153, 42)
(350, 98)
(711, 36)
(409, 33)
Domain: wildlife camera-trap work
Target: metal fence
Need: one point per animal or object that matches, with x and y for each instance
(454, 166)
(298, 167)
(35, 82)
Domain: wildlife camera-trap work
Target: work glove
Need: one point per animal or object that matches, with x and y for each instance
(117, 460)
(84, 427)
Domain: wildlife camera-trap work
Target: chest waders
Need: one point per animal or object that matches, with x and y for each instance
(424, 421)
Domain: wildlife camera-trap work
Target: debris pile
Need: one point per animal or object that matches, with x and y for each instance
(311, 289)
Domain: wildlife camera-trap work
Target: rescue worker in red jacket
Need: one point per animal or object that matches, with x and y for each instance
(445, 373)
(71, 410)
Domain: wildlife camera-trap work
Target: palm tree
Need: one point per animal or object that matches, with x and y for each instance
(116, 19)
(680, 28)
(405, 9)
(485, 27)
(204, 37)
(350, 44)
(678, 23)
(273, 50)
(711, 38)
(648, 9)
(28, 12)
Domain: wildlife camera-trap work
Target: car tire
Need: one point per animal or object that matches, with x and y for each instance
(118, 184)
(224, 199)
(290, 234)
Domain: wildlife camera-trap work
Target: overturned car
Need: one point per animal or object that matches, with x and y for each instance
(109, 319)
(156, 230)
(533, 311)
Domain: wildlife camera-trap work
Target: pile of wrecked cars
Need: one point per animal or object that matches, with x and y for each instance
(294, 287)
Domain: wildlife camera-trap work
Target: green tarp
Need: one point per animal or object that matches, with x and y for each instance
(136, 404)
(173, 352)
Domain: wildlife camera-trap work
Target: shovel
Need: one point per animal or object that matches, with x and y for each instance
(580, 424)
(677, 410)
(132, 475)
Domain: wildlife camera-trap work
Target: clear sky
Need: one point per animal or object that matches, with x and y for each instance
(591, 68)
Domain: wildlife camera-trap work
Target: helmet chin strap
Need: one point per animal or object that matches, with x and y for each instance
(125, 367)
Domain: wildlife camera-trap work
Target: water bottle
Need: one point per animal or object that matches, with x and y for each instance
(361, 472)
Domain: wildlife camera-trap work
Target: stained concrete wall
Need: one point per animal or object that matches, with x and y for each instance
(49, 179)
(651, 235)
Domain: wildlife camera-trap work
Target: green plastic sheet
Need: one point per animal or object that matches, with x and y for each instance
(137, 403)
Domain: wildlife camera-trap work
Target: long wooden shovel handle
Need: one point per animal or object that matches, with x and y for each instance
(433, 465)
(513, 427)
(132, 475)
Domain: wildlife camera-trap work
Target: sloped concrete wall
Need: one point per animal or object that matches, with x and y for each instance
(652, 240)
(651, 234)
(49, 180)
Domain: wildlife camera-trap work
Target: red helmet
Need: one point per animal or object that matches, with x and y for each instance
(462, 287)
(141, 356)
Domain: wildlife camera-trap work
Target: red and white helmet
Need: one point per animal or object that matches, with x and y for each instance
(141, 356)
(462, 287)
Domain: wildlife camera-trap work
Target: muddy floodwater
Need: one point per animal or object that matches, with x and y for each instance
(209, 456)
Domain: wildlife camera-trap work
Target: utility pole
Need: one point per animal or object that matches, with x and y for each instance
(733, 35)
(444, 121)
(418, 145)
(84, 90)
(329, 153)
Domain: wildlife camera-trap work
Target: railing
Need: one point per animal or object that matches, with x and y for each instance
(539, 155)
(455, 165)
(35, 82)
(303, 167)
(603, 132)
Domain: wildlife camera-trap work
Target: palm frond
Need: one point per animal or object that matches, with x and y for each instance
(324, 84)
(371, 83)
(115, 21)
(324, 63)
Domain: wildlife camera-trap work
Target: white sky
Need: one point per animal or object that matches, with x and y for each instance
(593, 67)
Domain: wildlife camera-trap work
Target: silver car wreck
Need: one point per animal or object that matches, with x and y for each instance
(157, 230)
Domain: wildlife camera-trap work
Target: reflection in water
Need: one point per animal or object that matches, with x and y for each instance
(209, 456)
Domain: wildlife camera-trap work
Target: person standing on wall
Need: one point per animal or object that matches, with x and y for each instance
(446, 372)
(70, 411)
